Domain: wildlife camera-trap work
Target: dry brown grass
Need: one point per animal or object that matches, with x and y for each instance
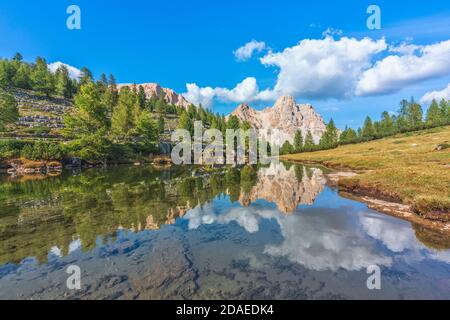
(406, 167)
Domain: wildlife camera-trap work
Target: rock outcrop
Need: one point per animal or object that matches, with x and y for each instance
(155, 90)
(286, 116)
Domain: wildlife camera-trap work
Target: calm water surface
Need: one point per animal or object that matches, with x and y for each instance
(186, 233)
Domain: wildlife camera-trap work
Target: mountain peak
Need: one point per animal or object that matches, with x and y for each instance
(285, 101)
(285, 116)
(153, 89)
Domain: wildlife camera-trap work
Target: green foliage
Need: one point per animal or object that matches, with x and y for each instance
(309, 142)
(286, 148)
(90, 114)
(233, 123)
(368, 131)
(9, 113)
(348, 136)
(42, 151)
(147, 128)
(248, 178)
(298, 141)
(186, 123)
(63, 84)
(329, 139)
(42, 80)
(11, 148)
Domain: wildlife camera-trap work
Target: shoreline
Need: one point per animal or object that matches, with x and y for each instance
(375, 200)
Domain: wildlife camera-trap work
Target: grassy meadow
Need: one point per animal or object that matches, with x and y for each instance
(408, 168)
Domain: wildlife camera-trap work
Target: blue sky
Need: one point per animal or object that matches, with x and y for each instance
(179, 42)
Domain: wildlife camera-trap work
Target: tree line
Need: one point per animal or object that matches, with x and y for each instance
(15, 73)
(410, 117)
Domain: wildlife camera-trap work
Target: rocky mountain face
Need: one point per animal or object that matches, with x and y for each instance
(287, 116)
(155, 90)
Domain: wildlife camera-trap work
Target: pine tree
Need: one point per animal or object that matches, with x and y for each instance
(434, 115)
(309, 142)
(41, 78)
(141, 97)
(122, 121)
(286, 148)
(444, 106)
(330, 137)
(21, 78)
(415, 116)
(90, 114)
(298, 141)
(386, 124)
(9, 113)
(85, 76)
(160, 105)
(186, 123)
(146, 127)
(348, 136)
(368, 132)
(233, 123)
(63, 84)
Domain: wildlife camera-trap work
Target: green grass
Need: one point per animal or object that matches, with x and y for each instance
(406, 167)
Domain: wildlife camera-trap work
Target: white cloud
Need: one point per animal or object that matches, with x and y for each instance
(325, 68)
(436, 95)
(74, 73)
(334, 68)
(304, 241)
(246, 51)
(395, 72)
(245, 91)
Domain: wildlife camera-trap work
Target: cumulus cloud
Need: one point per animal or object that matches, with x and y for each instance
(245, 91)
(395, 72)
(74, 73)
(325, 68)
(246, 51)
(436, 95)
(330, 68)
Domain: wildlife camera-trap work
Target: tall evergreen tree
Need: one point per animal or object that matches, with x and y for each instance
(90, 114)
(141, 97)
(9, 113)
(330, 137)
(444, 106)
(41, 78)
(348, 136)
(309, 142)
(123, 118)
(415, 118)
(21, 78)
(368, 131)
(85, 76)
(298, 141)
(434, 116)
(186, 123)
(386, 124)
(63, 84)
(286, 148)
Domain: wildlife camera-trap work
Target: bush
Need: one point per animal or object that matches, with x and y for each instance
(42, 151)
(11, 148)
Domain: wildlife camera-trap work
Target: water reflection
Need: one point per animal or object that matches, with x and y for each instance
(267, 232)
(286, 187)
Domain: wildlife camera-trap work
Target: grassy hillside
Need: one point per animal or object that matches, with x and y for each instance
(406, 167)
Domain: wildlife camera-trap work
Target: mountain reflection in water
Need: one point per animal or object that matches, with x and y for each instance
(191, 232)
